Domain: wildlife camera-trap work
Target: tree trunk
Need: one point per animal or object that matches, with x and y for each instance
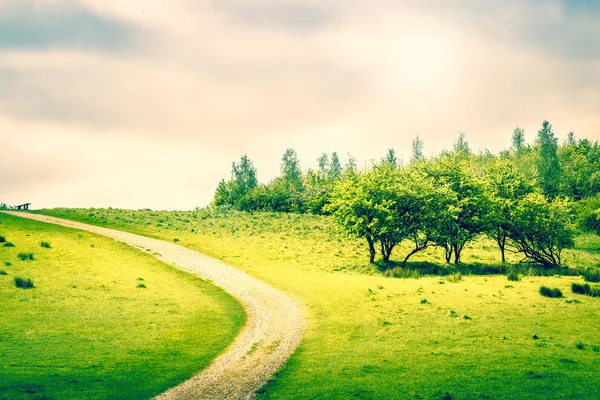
(372, 251)
(448, 254)
(501, 240)
(457, 250)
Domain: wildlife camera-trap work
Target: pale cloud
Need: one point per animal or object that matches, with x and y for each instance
(153, 112)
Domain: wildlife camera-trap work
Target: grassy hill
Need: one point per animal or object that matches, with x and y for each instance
(103, 320)
(451, 335)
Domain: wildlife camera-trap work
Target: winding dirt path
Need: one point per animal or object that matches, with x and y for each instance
(273, 331)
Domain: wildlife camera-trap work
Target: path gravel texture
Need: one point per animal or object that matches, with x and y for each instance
(273, 331)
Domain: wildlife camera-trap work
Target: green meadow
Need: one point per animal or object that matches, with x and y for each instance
(376, 333)
(102, 320)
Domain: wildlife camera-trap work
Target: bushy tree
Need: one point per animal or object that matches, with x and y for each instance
(505, 187)
(386, 206)
(463, 219)
(542, 228)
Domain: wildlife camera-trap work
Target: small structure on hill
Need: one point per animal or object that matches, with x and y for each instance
(24, 206)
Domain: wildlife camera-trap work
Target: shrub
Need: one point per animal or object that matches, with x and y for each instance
(2, 239)
(45, 245)
(591, 275)
(7, 263)
(580, 345)
(23, 283)
(141, 286)
(514, 276)
(585, 289)
(550, 292)
(176, 240)
(9, 244)
(25, 256)
(3, 272)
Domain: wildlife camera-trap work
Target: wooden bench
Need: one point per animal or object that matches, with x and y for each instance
(23, 206)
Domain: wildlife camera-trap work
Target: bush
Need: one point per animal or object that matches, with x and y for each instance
(3, 272)
(45, 245)
(7, 263)
(25, 256)
(514, 276)
(550, 292)
(580, 345)
(9, 244)
(2, 239)
(591, 275)
(23, 283)
(585, 289)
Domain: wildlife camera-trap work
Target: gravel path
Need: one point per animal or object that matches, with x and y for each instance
(273, 331)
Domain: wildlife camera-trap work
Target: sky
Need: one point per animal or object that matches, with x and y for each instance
(145, 104)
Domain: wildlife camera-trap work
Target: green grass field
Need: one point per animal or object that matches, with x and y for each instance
(377, 337)
(87, 331)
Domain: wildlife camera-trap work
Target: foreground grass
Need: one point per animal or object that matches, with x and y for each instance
(86, 330)
(376, 337)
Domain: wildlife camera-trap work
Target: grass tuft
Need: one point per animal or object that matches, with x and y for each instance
(23, 283)
(591, 275)
(7, 263)
(550, 292)
(580, 345)
(9, 244)
(3, 272)
(586, 289)
(25, 256)
(141, 286)
(2, 239)
(455, 277)
(45, 245)
(514, 276)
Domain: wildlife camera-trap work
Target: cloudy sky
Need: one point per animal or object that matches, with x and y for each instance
(137, 103)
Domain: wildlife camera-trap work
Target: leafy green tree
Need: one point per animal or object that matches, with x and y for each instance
(323, 162)
(391, 158)
(548, 167)
(351, 165)
(588, 214)
(243, 178)
(542, 229)
(417, 150)
(461, 146)
(317, 190)
(518, 141)
(291, 178)
(571, 139)
(222, 194)
(352, 207)
(463, 219)
(335, 168)
(506, 186)
(580, 169)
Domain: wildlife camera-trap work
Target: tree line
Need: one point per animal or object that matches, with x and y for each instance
(527, 198)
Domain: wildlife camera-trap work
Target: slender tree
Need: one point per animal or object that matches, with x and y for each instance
(335, 167)
(391, 158)
(518, 140)
(461, 146)
(417, 150)
(323, 161)
(548, 167)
